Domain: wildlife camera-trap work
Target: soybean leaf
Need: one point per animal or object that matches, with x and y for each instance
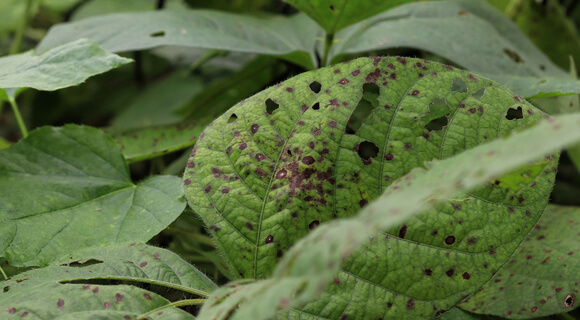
(60, 185)
(101, 7)
(292, 38)
(313, 260)
(63, 66)
(283, 161)
(53, 301)
(337, 14)
(135, 262)
(469, 33)
(541, 278)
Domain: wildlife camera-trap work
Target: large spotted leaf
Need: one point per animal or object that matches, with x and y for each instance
(323, 144)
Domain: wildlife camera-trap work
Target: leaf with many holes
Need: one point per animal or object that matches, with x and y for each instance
(287, 159)
(52, 301)
(134, 262)
(468, 32)
(292, 38)
(60, 185)
(63, 66)
(337, 14)
(543, 277)
(313, 260)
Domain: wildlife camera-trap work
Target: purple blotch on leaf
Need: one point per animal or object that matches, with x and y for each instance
(449, 240)
(260, 156)
(389, 157)
(147, 296)
(403, 231)
(343, 81)
(269, 239)
(450, 272)
(243, 146)
(255, 128)
(308, 160)
(60, 303)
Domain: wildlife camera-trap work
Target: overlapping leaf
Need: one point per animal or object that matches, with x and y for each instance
(69, 188)
(293, 38)
(289, 158)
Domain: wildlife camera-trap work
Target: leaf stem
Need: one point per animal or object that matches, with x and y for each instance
(15, 48)
(18, 117)
(327, 46)
(3, 273)
(189, 302)
(195, 236)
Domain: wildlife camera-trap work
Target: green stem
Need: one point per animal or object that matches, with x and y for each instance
(566, 316)
(3, 273)
(15, 48)
(18, 117)
(327, 46)
(189, 302)
(195, 236)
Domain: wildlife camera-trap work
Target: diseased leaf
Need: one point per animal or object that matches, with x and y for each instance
(66, 65)
(282, 162)
(135, 262)
(60, 185)
(292, 38)
(84, 301)
(542, 277)
(336, 14)
(468, 32)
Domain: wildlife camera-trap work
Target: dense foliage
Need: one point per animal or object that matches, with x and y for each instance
(351, 159)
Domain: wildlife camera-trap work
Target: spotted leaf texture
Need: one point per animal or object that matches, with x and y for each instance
(59, 185)
(282, 162)
(543, 277)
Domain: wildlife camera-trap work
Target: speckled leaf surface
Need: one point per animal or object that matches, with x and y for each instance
(60, 185)
(543, 276)
(134, 262)
(88, 301)
(313, 260)
(336, 14)
(290, 37)
(66, 65)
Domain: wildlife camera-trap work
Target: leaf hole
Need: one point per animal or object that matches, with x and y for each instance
(271, 106)
(436, 119)
(6, 289)
(363, 110)
(232, 118)
(157, 34)
(367, 150)
(514, 114)
(459, 85)
(316, 106)
(569, 300)
(87, 263)
(513, 55)
(315, 86)
(479, 93)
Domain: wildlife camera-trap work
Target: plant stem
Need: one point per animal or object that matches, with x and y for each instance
(3, 273)
(179, 303)
(18, 117)
(195, 236)
(15, 48)
(566, 316)
(327, 46)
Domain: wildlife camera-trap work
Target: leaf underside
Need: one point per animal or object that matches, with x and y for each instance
(298, 154)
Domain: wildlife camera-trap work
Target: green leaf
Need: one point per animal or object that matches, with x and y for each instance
(470, 33)
(542, 277)
(83, 301)
(312, 261)
(134, 262)
(334, 15)
(60, 185)
(292, 38)
(101, 7)
(63, 66)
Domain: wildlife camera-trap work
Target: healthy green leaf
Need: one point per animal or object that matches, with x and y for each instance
(292, 38)
(467, 32)
(63, 66)
(313, 260)
(287, 159)
(336, 14)
(101, 7)
(542, 277)
(135, 262)
(83, 301)
(60, 185)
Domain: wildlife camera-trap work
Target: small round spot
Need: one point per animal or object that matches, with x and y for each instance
(254, 128)
(428, 272)
(186, 182)
(466, 276)
(449, 240)
(308, 160)
(389, 157)
(450, 272)
(269, 239)
(281, 174)
(243, 146)
(208, 189)
(260, 156)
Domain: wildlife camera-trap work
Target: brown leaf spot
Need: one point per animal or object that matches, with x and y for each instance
(269, 239)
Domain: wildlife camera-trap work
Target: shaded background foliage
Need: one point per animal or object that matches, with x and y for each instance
(175, 91)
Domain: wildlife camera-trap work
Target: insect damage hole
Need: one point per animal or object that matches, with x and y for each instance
(459, 85)
(271, 106)
(436, 119)
(514, 114)
(315, 86)
(513, 55)
(157, 34)
(316, 106)
(363, 110)
(367, 150)
(569, 300)
(232, 118)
